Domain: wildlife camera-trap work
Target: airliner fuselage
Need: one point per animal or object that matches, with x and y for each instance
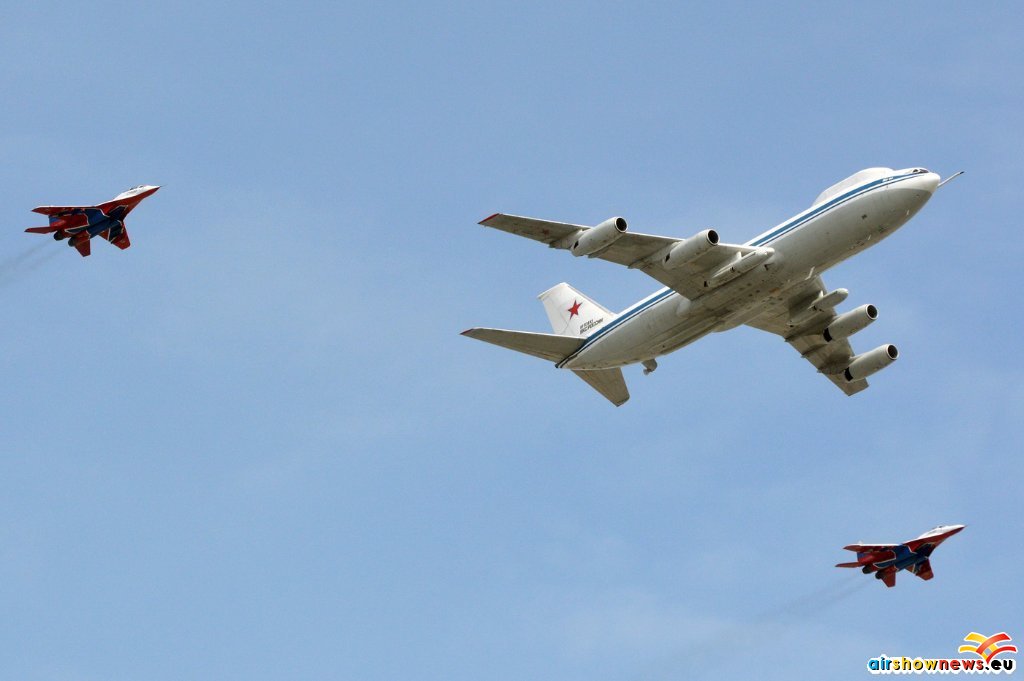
(807, 244)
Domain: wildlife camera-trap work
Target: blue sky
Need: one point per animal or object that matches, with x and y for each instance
(254, 446)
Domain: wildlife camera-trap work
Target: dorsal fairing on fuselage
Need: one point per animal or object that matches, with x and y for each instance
(858, 178)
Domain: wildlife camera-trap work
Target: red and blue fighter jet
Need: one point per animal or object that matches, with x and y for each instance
(79, 224)
(885, 560)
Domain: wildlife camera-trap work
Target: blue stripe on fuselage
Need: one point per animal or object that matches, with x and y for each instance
(825, 207)
(774, 235)
(627, 315)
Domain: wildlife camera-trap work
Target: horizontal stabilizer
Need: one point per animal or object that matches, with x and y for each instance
(851, 565)
(608, 382)
(41, 230)
(549, 346)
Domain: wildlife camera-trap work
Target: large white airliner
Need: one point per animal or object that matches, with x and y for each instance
(771, 283)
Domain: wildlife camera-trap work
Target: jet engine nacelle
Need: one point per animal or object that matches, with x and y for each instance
(690, 249)
(849, 323)
(592, 240)
(865, 364)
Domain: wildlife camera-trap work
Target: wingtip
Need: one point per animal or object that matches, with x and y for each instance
(488, 218)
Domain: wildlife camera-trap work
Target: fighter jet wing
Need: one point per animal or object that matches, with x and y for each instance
(122, 241)
(870, 548)
(84, 247)
(118, 236)
(829, 358)
(58, 210)
(923, 569)
(636, 251)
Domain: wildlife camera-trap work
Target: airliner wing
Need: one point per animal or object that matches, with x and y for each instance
(636, 251)
(829, 358)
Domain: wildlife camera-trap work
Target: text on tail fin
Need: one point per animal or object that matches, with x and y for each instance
(572, 313)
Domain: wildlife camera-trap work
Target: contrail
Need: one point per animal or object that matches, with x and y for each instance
(704, 654)
(29, 260)
(817, 600)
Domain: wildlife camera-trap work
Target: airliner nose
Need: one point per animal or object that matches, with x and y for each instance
(919, 179)
(911, 190)
(929, 182)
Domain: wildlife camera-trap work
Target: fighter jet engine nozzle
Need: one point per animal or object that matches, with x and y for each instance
(849, 323)
(865, 364)
(690, 249)
(590, 241)
(60, 235)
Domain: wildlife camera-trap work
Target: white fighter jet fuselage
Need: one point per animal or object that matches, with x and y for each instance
(772, 283)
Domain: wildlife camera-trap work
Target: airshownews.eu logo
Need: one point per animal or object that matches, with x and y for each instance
(986, 655)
